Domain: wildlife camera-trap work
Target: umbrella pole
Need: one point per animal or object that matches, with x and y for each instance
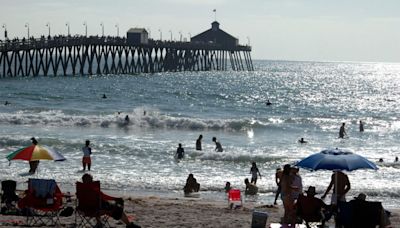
(335, 192)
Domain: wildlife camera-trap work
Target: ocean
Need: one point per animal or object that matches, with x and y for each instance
(309, 100)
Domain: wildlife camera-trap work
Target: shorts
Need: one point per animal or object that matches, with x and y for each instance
(335, 198)
(86, 160)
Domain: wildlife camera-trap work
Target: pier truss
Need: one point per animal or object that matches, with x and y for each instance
(70, 56)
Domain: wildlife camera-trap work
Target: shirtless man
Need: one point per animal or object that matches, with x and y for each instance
(339, 191)
(218, 146)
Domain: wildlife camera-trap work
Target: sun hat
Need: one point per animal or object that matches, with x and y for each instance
(311, 191)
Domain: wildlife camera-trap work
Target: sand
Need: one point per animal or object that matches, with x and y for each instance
(185, 212)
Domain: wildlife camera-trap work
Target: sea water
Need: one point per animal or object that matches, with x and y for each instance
(309, 100)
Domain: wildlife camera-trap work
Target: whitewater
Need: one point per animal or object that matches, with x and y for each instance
(309, 100)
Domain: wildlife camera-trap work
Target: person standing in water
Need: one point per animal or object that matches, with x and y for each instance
(342, 131)
(198, 142)
(87, 151)
(33, 164)
(254, 171)
(361, 126)
(218, 146)
(180, 152)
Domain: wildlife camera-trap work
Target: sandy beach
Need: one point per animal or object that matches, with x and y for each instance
(185, 212)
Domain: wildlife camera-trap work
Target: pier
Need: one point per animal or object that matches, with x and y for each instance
(94, 55)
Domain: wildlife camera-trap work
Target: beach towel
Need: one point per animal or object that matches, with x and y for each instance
(43, 188)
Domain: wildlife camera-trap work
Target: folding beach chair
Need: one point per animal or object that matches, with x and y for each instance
(88, 206)
(8, 197)
(234, 197)
(42, 202)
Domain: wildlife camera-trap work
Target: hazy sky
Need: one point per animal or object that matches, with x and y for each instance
(326, 30)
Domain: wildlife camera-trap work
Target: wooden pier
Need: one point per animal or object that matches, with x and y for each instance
(80, 55)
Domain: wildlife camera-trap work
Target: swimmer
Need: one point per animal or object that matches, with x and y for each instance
(198, 142)
(380, 159)
(180, 152)
(342, 131)
(218, 146)
(126, 119)
(302, 140)
(361, 126)
(396, 159)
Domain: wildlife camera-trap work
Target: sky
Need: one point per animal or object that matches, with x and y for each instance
(300, 30)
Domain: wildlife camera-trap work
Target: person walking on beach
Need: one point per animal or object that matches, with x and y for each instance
(180, 152)
(341, 186)
(33, 165)
(87, 151)
(218, 146)
(278, 176)
(198, 142)
(254, 171)
(342, 131)
(361, 126)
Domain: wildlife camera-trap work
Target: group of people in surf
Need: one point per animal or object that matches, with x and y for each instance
(180, 152)
(342, 130)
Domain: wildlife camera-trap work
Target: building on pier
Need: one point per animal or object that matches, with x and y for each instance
(137, 36)
(216, 35)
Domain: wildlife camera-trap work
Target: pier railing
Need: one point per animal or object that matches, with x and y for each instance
(80, 55)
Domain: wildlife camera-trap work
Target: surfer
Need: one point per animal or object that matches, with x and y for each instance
(87, 151)
(180, 152)
(198, 142)
(104, 96)
(342, 131)
(7, 103)
(302, 140)
(218, 146)
(268, 103)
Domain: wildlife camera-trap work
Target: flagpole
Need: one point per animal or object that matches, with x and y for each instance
(215, 14)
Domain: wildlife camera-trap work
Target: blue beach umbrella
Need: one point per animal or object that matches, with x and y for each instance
(336, 159)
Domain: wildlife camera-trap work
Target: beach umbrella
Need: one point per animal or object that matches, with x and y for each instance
(35, 153)
(336, 159)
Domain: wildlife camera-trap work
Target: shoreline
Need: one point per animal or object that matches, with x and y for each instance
(158, 211)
